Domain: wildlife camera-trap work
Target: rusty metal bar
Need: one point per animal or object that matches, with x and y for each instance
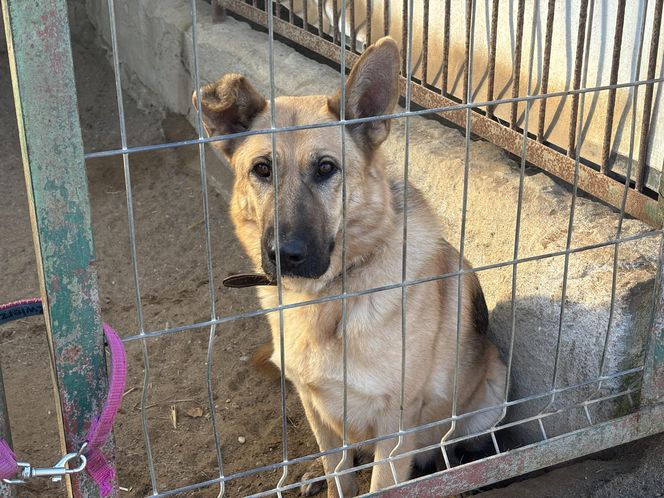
(611, 104)
(320, 18)
(305, 15)
(446, 49)
(647, 422)
(425, 41)
(578, 65)
(353, 28)
(550, 13)
(593, 182)
(647, 103)
(6, 490)
(491, 81)
(386, 17)
(404, 38)
(369, 21)
(466, 59)
(335, 19)
(291, 10)
(516, 70)
(40, 58)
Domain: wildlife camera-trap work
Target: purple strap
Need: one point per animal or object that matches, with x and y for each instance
(8, 467)
(97, 467)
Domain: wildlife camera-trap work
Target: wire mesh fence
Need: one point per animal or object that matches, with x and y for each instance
(618, 402)
(592, 394)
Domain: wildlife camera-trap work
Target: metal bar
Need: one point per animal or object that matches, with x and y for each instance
(517, 224)
(470, 29)
(40, 58)
(305, 15)
(425, 42)
(450, 107)
(540, 155)
(369, 21)
(578, 63)
(353, 28)
(516, 69)
(550, 13)
(344, 246)
(132, 244)
(408, 283)
(6, 490)
(320, 18)
(277, 241)
(373, 290)
(467, 59)
(446, 49)
(386, 17)
(648, 421)
(291, 9)
(570, 226)
(212, 295)
(647, 103)
(335, 18)
(404, 238)
(404, 37)
(491, 81)
(611, 104)
(634, 93)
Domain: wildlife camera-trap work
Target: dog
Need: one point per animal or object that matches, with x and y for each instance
(308, 163)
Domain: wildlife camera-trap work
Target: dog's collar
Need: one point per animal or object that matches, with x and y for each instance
(242, 280)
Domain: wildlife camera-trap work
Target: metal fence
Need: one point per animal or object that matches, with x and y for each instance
(641, 387)
(551, 139)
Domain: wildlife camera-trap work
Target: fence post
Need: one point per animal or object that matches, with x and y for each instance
(40, 57)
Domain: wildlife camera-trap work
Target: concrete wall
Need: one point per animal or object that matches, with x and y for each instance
(156, 53)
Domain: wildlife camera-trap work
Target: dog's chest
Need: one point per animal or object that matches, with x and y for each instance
(314, 346)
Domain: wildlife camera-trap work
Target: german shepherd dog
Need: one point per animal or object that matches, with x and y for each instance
(308, 164)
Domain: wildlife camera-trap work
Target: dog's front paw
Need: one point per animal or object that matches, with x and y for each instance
(312, 488)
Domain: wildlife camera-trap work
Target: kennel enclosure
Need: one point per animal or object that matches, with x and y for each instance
(60, 179)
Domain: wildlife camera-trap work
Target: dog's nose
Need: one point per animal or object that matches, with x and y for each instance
(293, 253)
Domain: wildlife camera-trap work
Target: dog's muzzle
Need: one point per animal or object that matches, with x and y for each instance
(300, 255)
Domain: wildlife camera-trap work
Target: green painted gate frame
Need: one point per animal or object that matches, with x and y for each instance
(40, 58)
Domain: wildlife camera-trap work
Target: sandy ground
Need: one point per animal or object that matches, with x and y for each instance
(174, 288)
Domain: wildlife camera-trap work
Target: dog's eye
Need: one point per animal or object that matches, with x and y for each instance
(325, 168)
(263, 170)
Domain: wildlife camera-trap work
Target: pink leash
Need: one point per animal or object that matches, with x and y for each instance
(97, 465)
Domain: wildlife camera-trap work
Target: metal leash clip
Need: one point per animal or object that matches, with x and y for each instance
(56, 473)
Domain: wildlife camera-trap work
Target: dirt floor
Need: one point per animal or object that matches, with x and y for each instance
(174, 289)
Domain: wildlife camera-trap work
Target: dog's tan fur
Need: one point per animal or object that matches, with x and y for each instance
(313, 336)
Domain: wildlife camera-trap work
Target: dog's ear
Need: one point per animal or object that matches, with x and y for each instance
(229, 105)
(372, 89)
